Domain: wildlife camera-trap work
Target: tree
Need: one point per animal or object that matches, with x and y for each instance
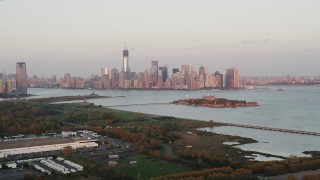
(291, 177)
(67, 151)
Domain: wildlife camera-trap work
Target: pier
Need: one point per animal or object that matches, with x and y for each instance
(273, 129)
(146, 104)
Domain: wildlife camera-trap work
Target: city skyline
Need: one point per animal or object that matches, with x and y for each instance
(260, 38)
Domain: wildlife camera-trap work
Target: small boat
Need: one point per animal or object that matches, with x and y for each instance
(280, 89)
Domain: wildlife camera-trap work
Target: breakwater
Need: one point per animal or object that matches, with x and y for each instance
(146, 104)
(272, 129)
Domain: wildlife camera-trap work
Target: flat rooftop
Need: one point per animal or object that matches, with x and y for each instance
(37, 141)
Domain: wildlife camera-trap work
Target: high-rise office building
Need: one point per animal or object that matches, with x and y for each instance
(21, 78)
(202, 71)
(164, 73)
(66, 81)
(154, 72)
(219, 79)
(105, 79)
(202, 77)
(114, 78)
(104, 71)
(125, 66)
(1, 87)
(185, 69)
(233, 78)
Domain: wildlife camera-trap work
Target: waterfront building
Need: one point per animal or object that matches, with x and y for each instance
(232, 78)
(1, 87)
(164, 73)
(105, 81)
(160, 83)
(185, 69)
(127, 84)
(219, 79)
(77, 83)
(114, 78)
(66, 81)
(154, 72)
(168, 84)
(146, 75)
(121, 79)
(194, 82)
(125, 65)
(97, 84)
(21, 78)
(202, 71)
(9, 86)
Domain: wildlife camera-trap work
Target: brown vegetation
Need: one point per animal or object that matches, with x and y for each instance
(214, 102)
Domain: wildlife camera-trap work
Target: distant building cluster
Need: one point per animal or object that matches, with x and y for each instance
(157, 77)
(281, 80)
(14, 84)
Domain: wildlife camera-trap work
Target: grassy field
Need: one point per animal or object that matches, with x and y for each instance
(148, 168)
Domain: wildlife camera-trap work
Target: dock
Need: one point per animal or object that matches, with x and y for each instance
(146, 104)
(273, 129)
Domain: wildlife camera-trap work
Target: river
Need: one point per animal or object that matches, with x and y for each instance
(295, 108)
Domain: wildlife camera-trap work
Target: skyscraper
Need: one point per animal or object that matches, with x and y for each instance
(219, 79)
(202, 71)
(154, 72)
(21, 78)
(125, 66)
(164, 73)
(104, 71)
(185, 69)
(233, 78)
(105, 78)
(114, 78)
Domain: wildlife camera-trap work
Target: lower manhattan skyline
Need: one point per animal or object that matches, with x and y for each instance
(260, 38)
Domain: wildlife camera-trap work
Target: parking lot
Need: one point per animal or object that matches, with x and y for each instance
(6, 174)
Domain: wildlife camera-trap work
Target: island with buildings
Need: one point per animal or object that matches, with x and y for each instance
(213, 102)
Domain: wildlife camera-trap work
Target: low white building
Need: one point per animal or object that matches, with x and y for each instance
(15, 150)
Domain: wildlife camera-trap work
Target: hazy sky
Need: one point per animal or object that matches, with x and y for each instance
(260, 37)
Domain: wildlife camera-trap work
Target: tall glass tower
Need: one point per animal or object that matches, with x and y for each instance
(125, 67)
(126, 60)
(21, 78)
(154, 72)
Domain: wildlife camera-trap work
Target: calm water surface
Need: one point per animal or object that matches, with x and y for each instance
(295, 108)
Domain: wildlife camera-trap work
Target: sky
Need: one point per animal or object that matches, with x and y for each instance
(260, 37)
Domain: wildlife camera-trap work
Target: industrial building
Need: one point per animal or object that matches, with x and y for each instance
(36, 145)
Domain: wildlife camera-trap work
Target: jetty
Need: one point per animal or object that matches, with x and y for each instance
(272, 129)
(146, 104)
